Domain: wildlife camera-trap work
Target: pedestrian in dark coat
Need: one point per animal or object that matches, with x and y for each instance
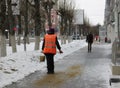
(105, 39)
(89, 39)
(50, 43)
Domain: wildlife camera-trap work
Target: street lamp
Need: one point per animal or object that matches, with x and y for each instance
(48, 5)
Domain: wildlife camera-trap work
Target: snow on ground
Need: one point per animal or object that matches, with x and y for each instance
(16, 66)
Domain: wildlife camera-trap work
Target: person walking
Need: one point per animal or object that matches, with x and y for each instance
(105, 39)
(89, 39)
(49, 45)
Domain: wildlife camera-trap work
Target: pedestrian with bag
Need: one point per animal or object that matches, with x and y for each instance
(49, 45)
(89, 40)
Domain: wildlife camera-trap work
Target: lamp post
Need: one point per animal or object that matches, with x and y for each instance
(48, 5)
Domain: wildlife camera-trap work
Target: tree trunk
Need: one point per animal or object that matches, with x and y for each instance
(13, 40)
(19, 30)
(26, 25)
(27, 39)
(37, 41)
(3, 46)
(19, 39)
(69, 39)
(62, 28)
(37, 24)
(24, 40)
(65, 37)
(9, 39)
(62, 39)
(2, 28)
(11, 23)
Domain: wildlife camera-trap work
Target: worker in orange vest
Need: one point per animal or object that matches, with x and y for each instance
(49, 49)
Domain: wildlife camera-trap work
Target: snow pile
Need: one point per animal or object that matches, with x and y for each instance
(16, 66)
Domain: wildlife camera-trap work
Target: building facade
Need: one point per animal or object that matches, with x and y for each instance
(112, 19)
(102, 33)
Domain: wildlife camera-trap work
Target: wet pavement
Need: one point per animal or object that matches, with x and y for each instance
(77, 70)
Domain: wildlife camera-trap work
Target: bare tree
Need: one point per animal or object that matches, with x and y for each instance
(86, 25)
(48, 5)
(11, 24)
(61, 13)
(37, 24)
(70, 16)
(19, 29)
(66, 10)
(35, 10)
(26, 24)
(24, 13)
(2, 28)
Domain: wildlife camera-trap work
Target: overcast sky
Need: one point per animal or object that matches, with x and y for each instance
(94, 9)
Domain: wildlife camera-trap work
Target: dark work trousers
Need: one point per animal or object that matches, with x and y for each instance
(89, 47)
(50, 62)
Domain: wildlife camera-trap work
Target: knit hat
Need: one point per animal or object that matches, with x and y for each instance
(51, 31)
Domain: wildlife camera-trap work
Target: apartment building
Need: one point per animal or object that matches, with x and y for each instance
(112, 19)
(109, 20)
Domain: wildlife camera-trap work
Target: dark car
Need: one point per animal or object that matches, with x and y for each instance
(75, 37)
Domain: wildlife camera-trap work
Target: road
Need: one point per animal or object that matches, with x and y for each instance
(77, 70)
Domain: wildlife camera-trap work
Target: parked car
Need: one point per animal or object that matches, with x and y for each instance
(75, 37)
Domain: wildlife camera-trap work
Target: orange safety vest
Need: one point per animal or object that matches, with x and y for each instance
(50, 44)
